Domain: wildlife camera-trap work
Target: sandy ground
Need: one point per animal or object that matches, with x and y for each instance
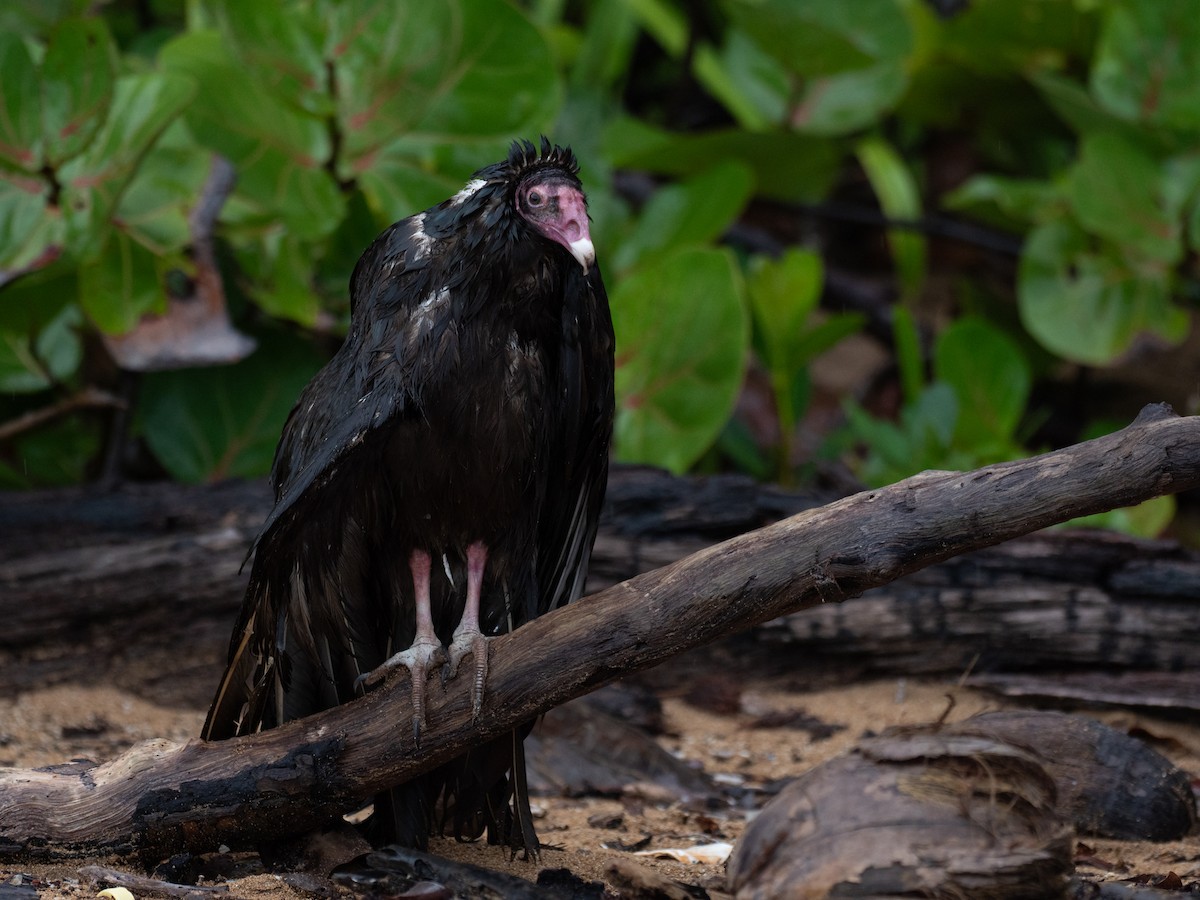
(52, 725)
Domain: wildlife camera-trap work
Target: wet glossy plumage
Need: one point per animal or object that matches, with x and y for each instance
(472, 401)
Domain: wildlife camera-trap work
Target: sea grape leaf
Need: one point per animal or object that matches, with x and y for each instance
(682, 336)
(692, 212)
(280, 151)
(455, 70)
(120, 284)
(1086, 301)
(1116, 191)
(78, 72)
(21, 143)
(32, 359)
(851, 59)
(1147, 63)
(30, 230)
(204, 425)
(786, 166)
(143, 105)
(991, 378)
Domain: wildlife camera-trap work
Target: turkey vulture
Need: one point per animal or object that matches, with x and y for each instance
(438, 481)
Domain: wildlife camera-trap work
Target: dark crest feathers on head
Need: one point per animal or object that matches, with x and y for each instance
(523, 156)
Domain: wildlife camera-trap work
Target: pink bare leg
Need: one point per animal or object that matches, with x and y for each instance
(468, 639)
(420, 656)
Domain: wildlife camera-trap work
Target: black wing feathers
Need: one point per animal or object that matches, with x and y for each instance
(472, 400)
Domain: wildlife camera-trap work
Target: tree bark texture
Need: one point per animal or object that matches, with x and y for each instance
(147, 580)
(160, 797)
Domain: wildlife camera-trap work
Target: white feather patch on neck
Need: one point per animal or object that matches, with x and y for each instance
(469, 190)
(421, 241)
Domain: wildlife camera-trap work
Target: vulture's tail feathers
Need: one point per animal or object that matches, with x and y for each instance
(523, 835)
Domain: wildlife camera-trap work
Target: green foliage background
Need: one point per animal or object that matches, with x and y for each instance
(1080, 118)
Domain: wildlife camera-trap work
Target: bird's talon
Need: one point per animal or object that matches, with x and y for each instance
(368, 681)
(474, 644)
(419, 659)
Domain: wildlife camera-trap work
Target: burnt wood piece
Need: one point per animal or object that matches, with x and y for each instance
(1108, 783)
(1164, 692)
(918, 813)
(160, 797)
(146, 579)
(1057, 599)
(391, 870)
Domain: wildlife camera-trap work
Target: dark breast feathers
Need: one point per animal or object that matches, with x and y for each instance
(439, 481)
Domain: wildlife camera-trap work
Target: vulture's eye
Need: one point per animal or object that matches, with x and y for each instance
(535, 198)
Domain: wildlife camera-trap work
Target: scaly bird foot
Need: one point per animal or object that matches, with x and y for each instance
(472, 642)
(420, 659)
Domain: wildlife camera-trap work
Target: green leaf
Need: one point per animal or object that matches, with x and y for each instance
(36, 17)
(1079, 109)
(286, 289)
(1087, 303)
(821, 337)
(900, 199)
(121, 284)
(30, 230)
(910, 358)
(224, 421)
(27, 305)
(851, 58)
(736, 442)
(1007, 202)
(279, 151)
(841, 104)
(1148, 520)
(608, 41)
(786, 166)
(53, 455)
(143, 106)
(1009, 37)
(760, 81)
(693, 212)
(1116, 192)
(77, 86)
(1147, 63)
(667, 24)
(167, 185)
(783, 294)
(921, 440)
(235, 113)
(33, 360)
(453, 70)
(397, 185)
(20, 112)
(682, 334)
(282, 46)
(821, 37)
(989, 375)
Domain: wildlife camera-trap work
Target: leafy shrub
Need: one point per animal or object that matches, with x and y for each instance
(1078, 118)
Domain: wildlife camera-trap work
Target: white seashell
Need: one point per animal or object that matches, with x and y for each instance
(710, 854)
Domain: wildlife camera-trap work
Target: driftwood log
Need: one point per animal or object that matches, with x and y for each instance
(949, 815)
(147, 579)
(160, 796)
(976, 808)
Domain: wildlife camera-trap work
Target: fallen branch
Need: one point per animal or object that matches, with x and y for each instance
(89, 397)
(160, 797)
